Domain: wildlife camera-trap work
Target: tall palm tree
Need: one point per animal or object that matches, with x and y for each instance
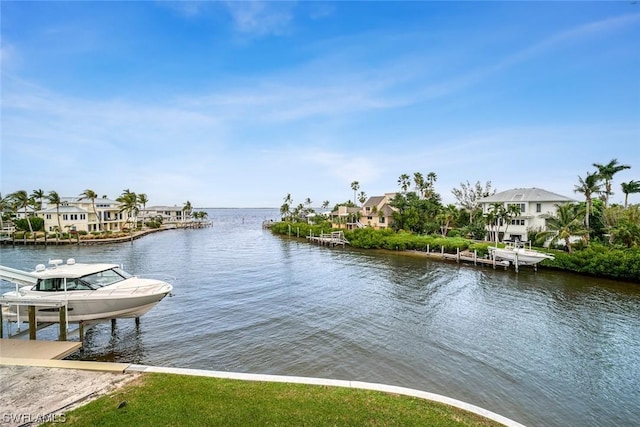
(404, 182)
(493, 220)
(285, 209)
(129, 202)
(629, 188)
(418, 180)
(4, 205)
(23, 201)
(430, 184)
(186, 209)
(143, 200)
(54, 199)
(92, 195)
(38, 195)
(355, 186)
(566, 223)
(588, 186)
(606, 173)
(362, 197)
(509, 213)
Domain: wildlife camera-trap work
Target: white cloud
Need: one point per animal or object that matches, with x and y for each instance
(259, 18)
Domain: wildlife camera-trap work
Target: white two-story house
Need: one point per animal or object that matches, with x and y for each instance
(78, 214)
(534, 203)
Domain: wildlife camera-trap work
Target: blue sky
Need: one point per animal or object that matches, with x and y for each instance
(237, 104)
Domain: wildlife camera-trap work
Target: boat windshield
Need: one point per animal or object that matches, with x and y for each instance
(56, 284)
(106, 277)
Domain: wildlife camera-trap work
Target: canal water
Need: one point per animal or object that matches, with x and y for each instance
(544, 349)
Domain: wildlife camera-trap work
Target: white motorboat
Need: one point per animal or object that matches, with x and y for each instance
(89, 292)
(517, 253)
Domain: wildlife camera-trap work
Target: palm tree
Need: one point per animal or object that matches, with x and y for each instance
(54, 199)
(187, 210)
(355, 186)
(38, 195)
(606, 173)
(509, 213)
(129, 202)
(588, 186)
(493, 219)
(430, 184)
(362, 197)
(4, 205)
(418, 180)
(92, 195)
(629, 188)
(143, 200)
(285, 209)
(446, 217)
(404, 182)
(566, 223)
(22, 200)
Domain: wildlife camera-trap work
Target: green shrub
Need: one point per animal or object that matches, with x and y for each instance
(596, 259)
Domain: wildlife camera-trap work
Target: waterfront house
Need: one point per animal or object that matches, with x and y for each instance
(169, 214)
(377, 212)
(534, 204)
(77, 214)
(345, 217)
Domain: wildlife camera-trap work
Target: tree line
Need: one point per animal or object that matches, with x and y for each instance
(418, 209)
(130, 204)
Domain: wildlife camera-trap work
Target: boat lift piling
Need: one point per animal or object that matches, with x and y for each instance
(31, 316)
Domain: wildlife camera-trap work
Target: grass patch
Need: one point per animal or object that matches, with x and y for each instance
(177, 400)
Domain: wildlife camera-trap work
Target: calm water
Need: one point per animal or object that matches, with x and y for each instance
(545, 349)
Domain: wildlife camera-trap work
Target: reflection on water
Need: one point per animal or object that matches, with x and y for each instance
(541, 348)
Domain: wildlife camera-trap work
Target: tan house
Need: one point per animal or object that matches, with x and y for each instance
(376, 211)
(346, 217)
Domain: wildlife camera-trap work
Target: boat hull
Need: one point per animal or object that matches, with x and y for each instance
(91, 306)
(522, 257)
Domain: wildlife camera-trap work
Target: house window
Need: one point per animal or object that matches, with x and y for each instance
(381, 220)
(517, 222)
(48, 216)
(83, 216)
(538, 207)
(65, 217)
(368, 209)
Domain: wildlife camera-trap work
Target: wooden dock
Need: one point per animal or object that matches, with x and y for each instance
(334, 238)
(472, 258)
(30, 349)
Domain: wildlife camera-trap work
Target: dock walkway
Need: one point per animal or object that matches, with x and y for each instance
(330, 239)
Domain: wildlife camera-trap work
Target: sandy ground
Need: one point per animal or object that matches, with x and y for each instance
(31, 395)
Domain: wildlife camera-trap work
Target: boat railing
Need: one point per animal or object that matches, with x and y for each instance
(140, 289)
(157, 276)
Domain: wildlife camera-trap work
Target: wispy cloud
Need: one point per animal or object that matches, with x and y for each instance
(259, 18)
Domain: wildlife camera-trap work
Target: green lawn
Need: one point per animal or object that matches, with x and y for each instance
(177, 400)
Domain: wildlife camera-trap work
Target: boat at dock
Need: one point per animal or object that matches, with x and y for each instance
(516, 253)
(90, 292)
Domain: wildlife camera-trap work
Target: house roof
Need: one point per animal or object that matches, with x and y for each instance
(64, 209)
(526, 195)
(163, 208)
(373, 201)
